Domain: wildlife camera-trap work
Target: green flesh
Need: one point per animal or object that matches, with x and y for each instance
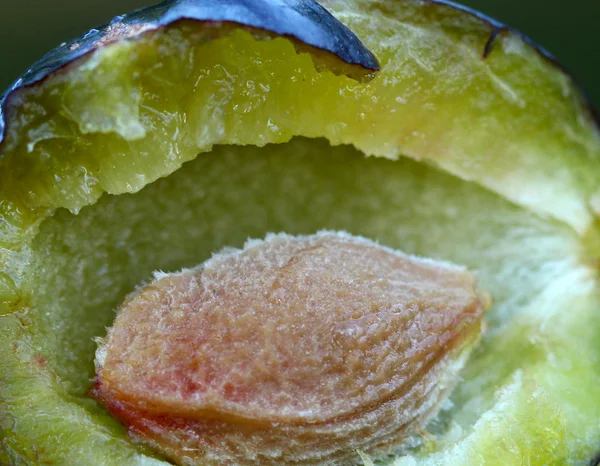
(543, 298)
(523, 222)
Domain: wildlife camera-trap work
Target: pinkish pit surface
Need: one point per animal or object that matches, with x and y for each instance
(294, 350)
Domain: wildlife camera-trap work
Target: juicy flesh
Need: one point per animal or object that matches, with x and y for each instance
(509, 125)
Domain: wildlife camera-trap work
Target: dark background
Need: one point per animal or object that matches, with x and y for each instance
(568, 29)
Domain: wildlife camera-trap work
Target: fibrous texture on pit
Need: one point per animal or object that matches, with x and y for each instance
(295, 350)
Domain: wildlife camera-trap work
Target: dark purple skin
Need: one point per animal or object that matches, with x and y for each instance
(304, 20)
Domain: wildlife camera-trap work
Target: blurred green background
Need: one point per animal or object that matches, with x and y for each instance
(568, 29)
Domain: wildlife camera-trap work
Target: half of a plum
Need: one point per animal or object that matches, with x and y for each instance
(181, 129)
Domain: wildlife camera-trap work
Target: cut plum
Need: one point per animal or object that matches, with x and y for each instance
(165, 137)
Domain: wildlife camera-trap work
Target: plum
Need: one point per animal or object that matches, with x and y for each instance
(176, 131)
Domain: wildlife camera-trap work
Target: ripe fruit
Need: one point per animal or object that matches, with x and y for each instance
(488, 156)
